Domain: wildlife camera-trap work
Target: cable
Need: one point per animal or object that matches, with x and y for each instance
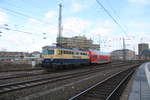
(115, 13)
(27, 16)
(6, 28)
(107, 12)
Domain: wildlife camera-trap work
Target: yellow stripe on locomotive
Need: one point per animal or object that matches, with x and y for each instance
(54, 57)
(60, 53)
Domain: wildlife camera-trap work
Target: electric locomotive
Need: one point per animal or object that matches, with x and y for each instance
(54, 57)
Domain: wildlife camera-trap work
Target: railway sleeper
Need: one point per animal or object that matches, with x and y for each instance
(104, 90)
(97, 95)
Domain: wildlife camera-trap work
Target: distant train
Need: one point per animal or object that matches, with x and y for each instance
(55, 57)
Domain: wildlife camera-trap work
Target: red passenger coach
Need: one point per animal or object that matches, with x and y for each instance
(99, 57)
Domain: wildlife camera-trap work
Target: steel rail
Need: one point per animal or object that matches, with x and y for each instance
(114, 94)
(76, 97)
(39, 73)
(4, 88)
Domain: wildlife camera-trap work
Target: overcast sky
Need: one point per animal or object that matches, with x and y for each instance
(27, 20)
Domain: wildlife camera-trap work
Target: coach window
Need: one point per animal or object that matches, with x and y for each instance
(94, 56)
(85, 53)
(77, 53)
(69, 52)
(61, 52)
(64, 52)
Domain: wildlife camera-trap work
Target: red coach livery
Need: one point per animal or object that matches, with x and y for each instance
(96, 56)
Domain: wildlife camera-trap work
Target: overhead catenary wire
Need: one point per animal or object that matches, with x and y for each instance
(118, 17)
(42, 21)
(116, 14)
(27, 16)
(108, 13)
(115, 21)
(16, 30)
(67, 29)
(9, 27)
(114, 11)
(6, 28)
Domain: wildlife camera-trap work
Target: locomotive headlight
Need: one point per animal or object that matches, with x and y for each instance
(52, 59)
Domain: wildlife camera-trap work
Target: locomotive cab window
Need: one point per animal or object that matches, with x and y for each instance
(50, 51)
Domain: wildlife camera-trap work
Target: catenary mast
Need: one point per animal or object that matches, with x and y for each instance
(60, 25)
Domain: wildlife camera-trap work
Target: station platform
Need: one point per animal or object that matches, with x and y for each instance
(141, 83)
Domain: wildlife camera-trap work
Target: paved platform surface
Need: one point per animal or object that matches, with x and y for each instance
(141, 83)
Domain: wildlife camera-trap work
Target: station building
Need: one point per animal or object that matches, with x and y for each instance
(118, 54)
(11, 56)
(141, 47)
(20, 57)
(80, 42)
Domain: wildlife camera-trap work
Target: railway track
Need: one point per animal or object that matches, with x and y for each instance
(20, 74)
(108, 89)
(42, 72)
(19, 70)
(4, 88)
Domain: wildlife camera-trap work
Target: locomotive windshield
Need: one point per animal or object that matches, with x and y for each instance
(48, 51)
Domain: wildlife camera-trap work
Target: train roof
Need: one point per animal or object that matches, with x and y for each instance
(78, 50)
(75, 49)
